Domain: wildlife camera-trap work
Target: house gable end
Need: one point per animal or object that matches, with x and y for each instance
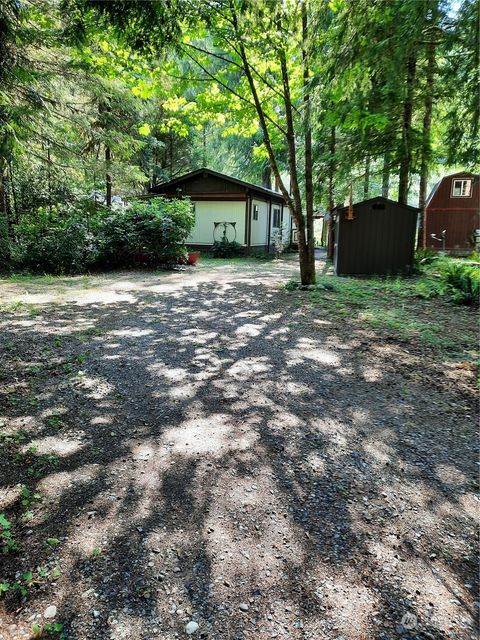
(442, 198)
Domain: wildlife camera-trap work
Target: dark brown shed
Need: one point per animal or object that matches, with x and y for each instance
(378, 240)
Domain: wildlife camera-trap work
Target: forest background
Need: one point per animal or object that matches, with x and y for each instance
(101, 100)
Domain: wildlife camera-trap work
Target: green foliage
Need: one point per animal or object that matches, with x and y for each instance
(83, 96)
(75, 239)
(292, 285)
(423, 258)
(24, 581)
(462, 282)
(225, 248)
(147, 234)
(60, 242)
(462, 87)
(8, 542)
(392, 307)
(4, 244)
(48, 630)
(428, 288)
(53, 542)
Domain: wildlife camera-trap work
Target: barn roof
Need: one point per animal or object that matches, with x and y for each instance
(161, 188)
(450, 175)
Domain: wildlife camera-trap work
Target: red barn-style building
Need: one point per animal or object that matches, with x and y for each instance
(454, 207)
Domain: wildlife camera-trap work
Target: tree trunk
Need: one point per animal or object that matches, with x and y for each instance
(426, 133)
(4, 226)
(293, 201)
(307, 264)
(16, 219)
(49, 180)
(331, 193)
(366, 179)
(267, 176)
(204, 147)
(308, 148)
(406, 146)
(3, 191)
(386, 174)
(108, 177)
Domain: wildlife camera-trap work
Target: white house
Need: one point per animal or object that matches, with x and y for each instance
(231, 208)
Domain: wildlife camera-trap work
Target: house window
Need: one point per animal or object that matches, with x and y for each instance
(461, 188)
(276, 218)
(255, 211)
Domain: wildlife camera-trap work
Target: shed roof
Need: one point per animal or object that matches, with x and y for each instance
(161, 188)
(377, 199)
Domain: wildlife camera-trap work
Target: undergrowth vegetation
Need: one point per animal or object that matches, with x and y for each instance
(394, 305)
(225, 248)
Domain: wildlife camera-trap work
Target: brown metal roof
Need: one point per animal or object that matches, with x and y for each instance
(274, 195)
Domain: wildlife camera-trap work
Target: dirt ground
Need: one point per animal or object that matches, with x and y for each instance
(206, 447)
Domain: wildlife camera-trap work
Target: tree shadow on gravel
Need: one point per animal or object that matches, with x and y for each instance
(213, 448)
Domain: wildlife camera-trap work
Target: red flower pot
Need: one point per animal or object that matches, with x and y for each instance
(193, 257)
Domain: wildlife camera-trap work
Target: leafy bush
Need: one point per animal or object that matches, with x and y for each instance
(75, 238)
(226, 249)
(147, 233)
(59, 242)
(461, 281)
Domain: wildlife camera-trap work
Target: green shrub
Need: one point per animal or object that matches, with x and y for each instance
(424, 257)
(226, 249)
(147, 233)
(291, 285)
(77, 237)
(461, 281)
(60, 242)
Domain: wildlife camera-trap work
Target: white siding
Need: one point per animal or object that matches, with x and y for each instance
(207, 212)
(259, 233)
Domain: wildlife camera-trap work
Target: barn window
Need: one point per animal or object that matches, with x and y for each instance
(378, 205)
(276, 218)
(461, 188)
(255, 211)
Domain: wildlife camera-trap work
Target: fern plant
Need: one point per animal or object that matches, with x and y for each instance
(462, 282)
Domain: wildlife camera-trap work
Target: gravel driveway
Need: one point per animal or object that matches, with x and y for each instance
(212, 451)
